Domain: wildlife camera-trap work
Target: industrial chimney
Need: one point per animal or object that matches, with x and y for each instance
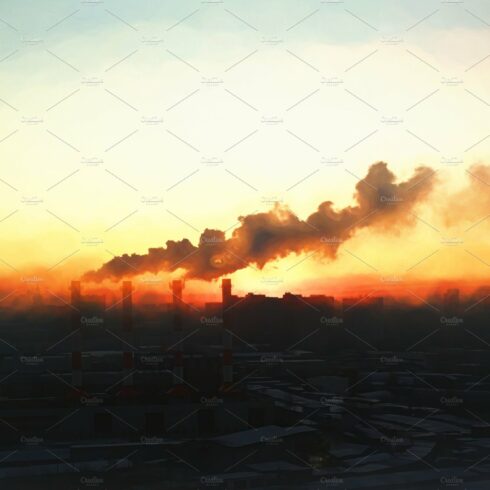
(178, 388)
(127, 324)
(226, 303)
(76, 326)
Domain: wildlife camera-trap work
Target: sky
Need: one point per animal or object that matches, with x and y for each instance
(125, 124)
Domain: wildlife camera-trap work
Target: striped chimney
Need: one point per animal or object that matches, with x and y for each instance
(178, 370)
(76, 326)
(127, 324)
(227, 338)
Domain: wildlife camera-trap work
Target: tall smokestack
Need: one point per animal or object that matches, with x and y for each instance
(178, 388)
(127, 324)
(227, 338)
(76, 326)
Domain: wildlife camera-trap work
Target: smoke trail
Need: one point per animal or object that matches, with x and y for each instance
(264, 237)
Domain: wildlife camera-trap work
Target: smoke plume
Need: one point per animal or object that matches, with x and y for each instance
(264, 237)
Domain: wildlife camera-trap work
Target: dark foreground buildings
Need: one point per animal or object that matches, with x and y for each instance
(250, 392)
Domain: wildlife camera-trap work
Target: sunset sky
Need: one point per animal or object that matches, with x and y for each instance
(125, 124)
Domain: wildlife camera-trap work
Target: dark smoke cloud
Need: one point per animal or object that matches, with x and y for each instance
(264, 237)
